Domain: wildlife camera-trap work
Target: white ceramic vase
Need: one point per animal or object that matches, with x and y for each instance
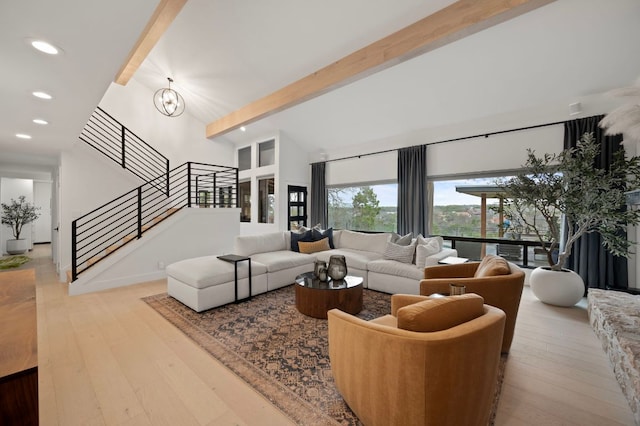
(559, 288)
(17, 246)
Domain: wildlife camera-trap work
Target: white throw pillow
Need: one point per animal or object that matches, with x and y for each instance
(425, 240)
(425, 250)
(400, 253)
(402, 240)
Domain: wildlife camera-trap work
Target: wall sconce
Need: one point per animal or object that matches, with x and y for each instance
(168, 101)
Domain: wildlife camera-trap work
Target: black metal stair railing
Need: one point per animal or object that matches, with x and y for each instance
(108, 136)
(104, 230)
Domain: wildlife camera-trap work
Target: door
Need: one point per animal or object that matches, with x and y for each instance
(297, 209)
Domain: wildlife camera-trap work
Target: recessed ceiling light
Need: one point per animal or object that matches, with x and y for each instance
(42, 95)
(23, 136)
(40, 121)
(45, 47)
(243, 129)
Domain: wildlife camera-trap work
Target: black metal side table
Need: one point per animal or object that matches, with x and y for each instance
(234, 258)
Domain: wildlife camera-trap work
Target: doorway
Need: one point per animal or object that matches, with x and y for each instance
(297, 209)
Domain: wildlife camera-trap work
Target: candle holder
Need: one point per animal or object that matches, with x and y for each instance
(337, 268)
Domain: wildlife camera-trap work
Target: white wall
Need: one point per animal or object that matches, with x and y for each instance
(11, 188)
(290, 168)
(180, 139)
(87, 180)
(294, 170)
(42, 228)
(189, 233)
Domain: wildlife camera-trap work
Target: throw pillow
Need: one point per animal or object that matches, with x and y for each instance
(400, 253)
(314, 247)
(319, 234)
(296, 237)
(425, 240)
(404, 240)
(299, 228)
(425, 250)
(492, 266)
(440, 314)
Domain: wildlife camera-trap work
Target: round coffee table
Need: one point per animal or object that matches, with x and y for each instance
(315, 298)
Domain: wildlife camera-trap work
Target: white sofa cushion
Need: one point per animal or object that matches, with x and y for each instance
(283, 259)
(392, 267)
(444, 253)
(207, 271)
(360, 241)
(355, 258)
(246, 245)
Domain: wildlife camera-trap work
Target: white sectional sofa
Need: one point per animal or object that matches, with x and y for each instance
(204, 283)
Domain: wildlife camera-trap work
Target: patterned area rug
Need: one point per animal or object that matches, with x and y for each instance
(280, 352)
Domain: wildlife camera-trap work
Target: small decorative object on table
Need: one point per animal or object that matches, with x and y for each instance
(337, 268)
(320, 270)
(456, 289)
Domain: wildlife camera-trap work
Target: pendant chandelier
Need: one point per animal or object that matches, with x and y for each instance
(168, 101)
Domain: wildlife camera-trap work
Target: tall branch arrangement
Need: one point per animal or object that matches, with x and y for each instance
(17, 214)
(591, 199)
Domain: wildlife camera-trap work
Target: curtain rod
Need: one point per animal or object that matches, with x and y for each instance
(486, 135)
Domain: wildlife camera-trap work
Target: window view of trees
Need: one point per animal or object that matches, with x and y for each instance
(363, 208)
(458, 214)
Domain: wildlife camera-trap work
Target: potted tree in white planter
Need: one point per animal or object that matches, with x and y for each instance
(16, 215)
(589, 198)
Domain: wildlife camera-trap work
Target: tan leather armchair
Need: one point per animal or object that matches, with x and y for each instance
(391, 376)
(501, 291)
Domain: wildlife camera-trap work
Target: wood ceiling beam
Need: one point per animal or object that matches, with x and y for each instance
(452, 23)
(162, 17)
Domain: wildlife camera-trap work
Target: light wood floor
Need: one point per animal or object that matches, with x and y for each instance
(107, 358)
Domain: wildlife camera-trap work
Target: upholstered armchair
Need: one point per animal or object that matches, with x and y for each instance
(390, 375)
(499, 282)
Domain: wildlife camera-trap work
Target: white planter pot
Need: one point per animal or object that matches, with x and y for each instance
(17, 246)
(560, 288)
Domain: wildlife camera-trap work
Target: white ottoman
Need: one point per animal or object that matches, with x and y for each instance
(205, 282)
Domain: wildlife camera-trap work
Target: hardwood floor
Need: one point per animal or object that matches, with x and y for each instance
(109, 359)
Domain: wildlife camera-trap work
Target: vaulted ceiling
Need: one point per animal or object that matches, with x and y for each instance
(225, 54)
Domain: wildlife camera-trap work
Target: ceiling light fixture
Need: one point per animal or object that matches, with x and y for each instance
(42, 95)
(168, 101)
(243, 129)
(45, 47)
(23, 136)
(40, 121)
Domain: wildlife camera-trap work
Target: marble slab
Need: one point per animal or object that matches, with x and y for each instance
(615, 318)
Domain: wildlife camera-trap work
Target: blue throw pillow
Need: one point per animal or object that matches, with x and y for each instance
(319, 234)
(306, 237)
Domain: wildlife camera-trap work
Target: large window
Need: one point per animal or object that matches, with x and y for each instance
(364, 208)
(267, 153)
(457, 211)
(244, 189)
(266, 200)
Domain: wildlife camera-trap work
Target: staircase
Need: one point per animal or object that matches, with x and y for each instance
(106, 229)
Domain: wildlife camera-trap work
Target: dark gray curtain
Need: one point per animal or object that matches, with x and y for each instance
(318, 195)
(412, 191)
(597, 267)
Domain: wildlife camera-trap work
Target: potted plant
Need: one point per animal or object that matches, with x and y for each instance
(590, 199)
(16, 215)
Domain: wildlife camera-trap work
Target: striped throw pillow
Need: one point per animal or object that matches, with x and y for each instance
(400, 253)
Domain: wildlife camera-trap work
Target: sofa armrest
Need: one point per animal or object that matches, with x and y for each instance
(401, 300)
